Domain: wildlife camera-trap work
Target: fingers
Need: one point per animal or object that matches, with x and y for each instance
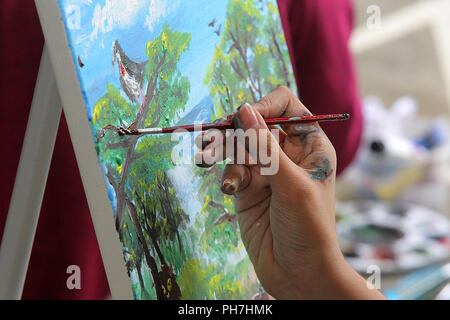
(235, 178)
(216, 146)
(247, 185)
(206, 137)
(281, 103)
(270, 158)
(305, 143)
(211, 148)
(202, 140)
(206, 158)
(276, 153)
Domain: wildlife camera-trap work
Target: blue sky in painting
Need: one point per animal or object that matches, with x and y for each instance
(92, 26)
(133, 23)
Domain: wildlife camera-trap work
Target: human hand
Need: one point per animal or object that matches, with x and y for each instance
(286, 219)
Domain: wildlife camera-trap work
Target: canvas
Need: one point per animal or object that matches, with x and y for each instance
(152, 63)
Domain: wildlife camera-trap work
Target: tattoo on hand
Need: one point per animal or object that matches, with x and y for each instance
(323, 171)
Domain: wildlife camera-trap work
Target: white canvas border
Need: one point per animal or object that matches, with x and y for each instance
(82, 140)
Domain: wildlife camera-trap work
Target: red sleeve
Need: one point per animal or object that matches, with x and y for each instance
(317, 33)
(65, 235)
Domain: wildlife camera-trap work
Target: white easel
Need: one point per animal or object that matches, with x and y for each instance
(57, 84)
(30, 182)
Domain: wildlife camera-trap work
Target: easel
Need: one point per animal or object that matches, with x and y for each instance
(57, 86)
(30, 182)
(28, 192)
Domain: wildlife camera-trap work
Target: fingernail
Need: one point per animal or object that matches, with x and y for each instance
(229, 186)
(245, 118)
(205, 144)
(239, 108)
(203, 159)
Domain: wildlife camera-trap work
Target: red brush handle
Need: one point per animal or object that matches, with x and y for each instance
(223, 125)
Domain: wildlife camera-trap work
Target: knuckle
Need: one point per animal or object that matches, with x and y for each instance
(283, 90)
(264, 105)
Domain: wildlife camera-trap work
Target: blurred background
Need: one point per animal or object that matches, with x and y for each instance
(393, 210)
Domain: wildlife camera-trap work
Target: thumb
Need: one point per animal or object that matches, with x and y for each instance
(263, 147)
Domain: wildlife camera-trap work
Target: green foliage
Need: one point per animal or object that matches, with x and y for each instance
(135, 258)
(112, 108)
(218, 238)
(204, 257)
(200, 280)
(170, 88)
(159, 209)
(252, 58)
(136, 167)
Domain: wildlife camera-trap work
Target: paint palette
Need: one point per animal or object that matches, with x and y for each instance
(396, 236)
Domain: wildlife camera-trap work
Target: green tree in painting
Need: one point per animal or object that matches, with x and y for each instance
(249, 62)
(139, 188)
(200, 281)
(159, 214)
(220, 235)
(279, 55)
(166, 94)
(135, 255)
(225, 274)
(201, 258)
(251, 59)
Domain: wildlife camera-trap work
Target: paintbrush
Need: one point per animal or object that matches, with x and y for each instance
(222, 125)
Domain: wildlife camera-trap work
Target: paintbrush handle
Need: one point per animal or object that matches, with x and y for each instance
(316, 118)
(223, 125)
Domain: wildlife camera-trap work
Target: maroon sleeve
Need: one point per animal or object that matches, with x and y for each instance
(65, 235)
(317, 33)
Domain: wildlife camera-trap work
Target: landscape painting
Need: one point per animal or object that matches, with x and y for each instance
(154, 63)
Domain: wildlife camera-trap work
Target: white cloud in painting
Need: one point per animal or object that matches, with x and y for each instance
(115, 13)
(159, 9)
(79, 2)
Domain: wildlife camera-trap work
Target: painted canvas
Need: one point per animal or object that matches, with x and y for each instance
(152, 63)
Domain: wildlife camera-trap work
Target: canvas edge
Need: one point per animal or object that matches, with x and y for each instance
(82, 140)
